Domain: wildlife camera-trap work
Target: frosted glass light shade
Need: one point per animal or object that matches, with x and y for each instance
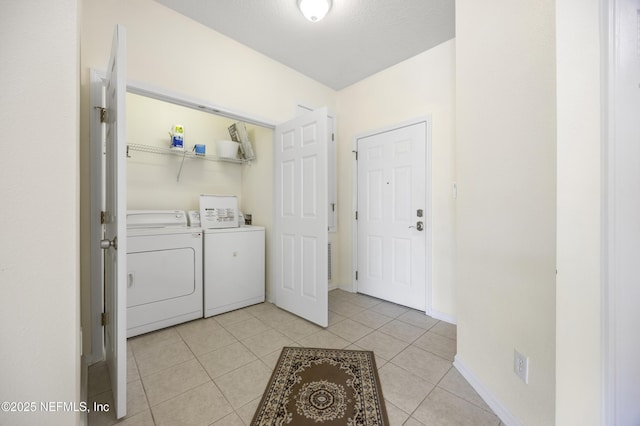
(314, 10)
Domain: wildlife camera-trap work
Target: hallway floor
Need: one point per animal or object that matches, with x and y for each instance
(213, 371)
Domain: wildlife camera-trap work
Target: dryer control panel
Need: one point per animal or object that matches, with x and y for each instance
(156, 219)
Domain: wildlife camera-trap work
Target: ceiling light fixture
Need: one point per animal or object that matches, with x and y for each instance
(314, 10)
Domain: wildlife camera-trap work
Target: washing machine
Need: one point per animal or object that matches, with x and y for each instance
(164, 270)
(234, 268)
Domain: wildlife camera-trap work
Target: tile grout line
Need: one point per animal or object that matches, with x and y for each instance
(234, 410)
(349, 304)
(144, 388)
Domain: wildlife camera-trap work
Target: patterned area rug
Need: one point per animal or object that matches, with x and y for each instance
(323, 387)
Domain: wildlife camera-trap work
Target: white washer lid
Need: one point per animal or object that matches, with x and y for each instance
(243, 228)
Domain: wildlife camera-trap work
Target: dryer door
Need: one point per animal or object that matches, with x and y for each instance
(157, 275)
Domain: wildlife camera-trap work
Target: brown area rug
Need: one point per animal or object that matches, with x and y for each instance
(323, 387)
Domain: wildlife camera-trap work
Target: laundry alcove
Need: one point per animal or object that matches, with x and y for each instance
(152, 177)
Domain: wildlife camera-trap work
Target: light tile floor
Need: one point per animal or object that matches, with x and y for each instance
(213, 371)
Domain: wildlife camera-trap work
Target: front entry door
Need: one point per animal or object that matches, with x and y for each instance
(300, 231)
(392, 216)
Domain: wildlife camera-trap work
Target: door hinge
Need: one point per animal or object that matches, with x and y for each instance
(103, 216)
(356, 275)
(104, 320)
(333, 137)
(356, 152)
(103, 114)
(333, 207)
(356, 214)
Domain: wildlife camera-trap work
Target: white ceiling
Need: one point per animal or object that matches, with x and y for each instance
(356, 39)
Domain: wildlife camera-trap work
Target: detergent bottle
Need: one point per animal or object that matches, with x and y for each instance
(177, 137)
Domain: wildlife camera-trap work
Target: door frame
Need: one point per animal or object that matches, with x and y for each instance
(97, 150)
(617, 326)
(332, 157)
(427, 119)
(97, 78)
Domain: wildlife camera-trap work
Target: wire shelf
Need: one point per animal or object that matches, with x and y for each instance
(179, 153)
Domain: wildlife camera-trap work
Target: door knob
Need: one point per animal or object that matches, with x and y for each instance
(419, 226)
(107, 243)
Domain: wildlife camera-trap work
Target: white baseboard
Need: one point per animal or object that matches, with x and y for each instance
(346, 287)
(432, 313)
(494, 403)
(442, 316)
(269, 299)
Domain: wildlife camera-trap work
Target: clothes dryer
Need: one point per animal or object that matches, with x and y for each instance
(164, 270)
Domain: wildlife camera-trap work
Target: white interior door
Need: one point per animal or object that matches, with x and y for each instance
(115, 225)
(392, 216)
(300, 231)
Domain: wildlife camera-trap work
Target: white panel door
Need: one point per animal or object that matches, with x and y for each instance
(300, 231)
(115, 242)
(392, 225)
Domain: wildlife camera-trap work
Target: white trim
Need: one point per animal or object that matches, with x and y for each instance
(353, 288)
(607, 37)
(494, 403)
(162, 94)
(345, 287)
(96, 149)
(427, 119)
(428, 175)
(301, 108)
(442, 316)
(333, 178)
(620, 347)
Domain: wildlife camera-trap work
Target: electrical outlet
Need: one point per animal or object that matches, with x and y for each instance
(521, 366)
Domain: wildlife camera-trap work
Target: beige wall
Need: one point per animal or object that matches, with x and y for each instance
(506, 162)
(167, 50)
(420, 86)
(578, 329)
(152, 179)
(39, 227)
(156, 181)
(506, 208)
